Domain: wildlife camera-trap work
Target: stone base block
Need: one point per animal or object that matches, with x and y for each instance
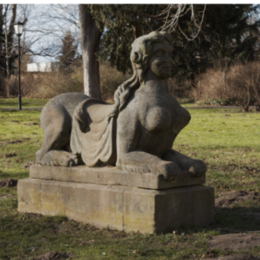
(113, 176)
(119, 207)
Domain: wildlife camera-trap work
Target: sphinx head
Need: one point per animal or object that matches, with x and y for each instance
(152, 52)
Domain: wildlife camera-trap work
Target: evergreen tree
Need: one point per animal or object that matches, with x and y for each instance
(227, 29)
(121, 25)
(68, 53)
(226, 35)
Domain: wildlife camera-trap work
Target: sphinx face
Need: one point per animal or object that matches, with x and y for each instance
(161, 62)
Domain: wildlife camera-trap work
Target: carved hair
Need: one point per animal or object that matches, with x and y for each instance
(142, 49)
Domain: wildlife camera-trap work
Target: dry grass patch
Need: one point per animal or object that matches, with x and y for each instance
(239, 85)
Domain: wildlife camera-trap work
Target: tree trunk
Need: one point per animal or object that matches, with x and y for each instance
(8, 46)
(2, 85)
(1, 21)
(12, 20)
(90, 38)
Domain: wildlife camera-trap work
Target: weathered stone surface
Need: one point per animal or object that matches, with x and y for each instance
(118, 207)
(157, 211)
(142, 187)
(135, 134)
(98, 205)
(112, 176)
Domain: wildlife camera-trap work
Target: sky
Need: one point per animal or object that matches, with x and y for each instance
(46, 25)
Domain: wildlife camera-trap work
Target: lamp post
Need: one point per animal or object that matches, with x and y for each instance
(18, 27)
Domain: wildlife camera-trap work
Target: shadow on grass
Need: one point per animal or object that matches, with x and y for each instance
(229, 220)
(26, 102)
(25, 112)
(14, 175)
(8, 103)
(238, 218)
(23, 235)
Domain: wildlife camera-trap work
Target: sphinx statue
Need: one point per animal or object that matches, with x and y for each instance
(135, 134)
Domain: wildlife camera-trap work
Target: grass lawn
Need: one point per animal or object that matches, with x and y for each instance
(26, 102)
(227, 140)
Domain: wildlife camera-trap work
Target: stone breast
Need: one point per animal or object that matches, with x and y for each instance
(157, 119)
(182, 118)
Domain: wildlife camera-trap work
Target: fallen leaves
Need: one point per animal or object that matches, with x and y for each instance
(230, 198)
(238, 241)
(54, 256)
(14, 142)
(31, 123)
(27, 165)
(9, 155)
(8, 183)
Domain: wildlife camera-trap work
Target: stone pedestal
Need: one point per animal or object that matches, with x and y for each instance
(107, 197)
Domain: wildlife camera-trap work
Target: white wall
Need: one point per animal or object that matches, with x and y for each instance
(41, 67)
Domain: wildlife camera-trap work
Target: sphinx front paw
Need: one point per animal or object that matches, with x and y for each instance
(198, 168)
(169, 170)
(59, 158)
(68, 160)
(134, 168)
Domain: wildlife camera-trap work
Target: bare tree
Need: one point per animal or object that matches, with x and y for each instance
(47, 26)
(10, 13)
(90, 38)
(173, 12)
(49, 23)
(7, 17)
(9, 36)
(52, 22)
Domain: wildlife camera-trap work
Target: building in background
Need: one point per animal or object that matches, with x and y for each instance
(42, 67)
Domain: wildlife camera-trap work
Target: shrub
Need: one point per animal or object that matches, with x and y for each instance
(179, 89)
(2, 86)
(240, 85)
(8, 86)
(110, 79)
(48, 85)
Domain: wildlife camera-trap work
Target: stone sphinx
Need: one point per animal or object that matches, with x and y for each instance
(150, 187)
(135, 134)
